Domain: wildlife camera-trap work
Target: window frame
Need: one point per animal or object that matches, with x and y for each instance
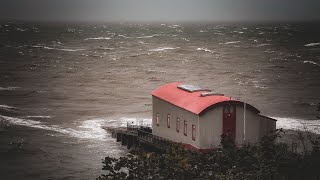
(185, 128)
(178, 124)
(157, 119)
(193, 132)
(168, 120)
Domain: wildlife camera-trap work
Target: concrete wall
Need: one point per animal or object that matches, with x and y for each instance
(164, 108)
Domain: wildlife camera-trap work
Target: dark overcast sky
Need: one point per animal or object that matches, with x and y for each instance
(160, 10)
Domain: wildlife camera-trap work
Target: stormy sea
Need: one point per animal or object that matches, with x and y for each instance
(61, 83)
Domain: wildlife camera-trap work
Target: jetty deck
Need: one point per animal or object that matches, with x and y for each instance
(137, 135)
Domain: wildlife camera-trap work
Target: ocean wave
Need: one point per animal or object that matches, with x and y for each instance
(311, 62)
(42, 117)
(175, 26)
(7, 107)
(205, 49)
(142, 37)
(260, 45)
(10, 88)
(312, 44)
(230, 42)
(298, 124)
(90, 129)
(98, 38)
(58, 49)
(162, 49)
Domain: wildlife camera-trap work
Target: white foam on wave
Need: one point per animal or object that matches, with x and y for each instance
(61, 49)
(98, 38)
(162, 49)
(311, 62)
(90, 129)
(43, 117)
(9, 88)
(231, 42)
(260, 45)
(298, 124)
(142, 37)
(6, 107)
(312, 44)
(205, 49)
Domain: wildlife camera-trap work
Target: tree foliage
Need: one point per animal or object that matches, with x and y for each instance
(264, 160)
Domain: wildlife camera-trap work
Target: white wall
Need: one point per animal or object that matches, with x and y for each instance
(163, 108)
(211, 128)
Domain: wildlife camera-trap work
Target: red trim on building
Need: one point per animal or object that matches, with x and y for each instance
(191, 101)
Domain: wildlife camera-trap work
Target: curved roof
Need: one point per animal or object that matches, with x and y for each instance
(192, 101)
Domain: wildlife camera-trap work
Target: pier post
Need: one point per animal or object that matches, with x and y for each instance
(119, 135)
(124, 139)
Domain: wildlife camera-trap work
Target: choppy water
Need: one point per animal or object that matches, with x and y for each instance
(60, 83)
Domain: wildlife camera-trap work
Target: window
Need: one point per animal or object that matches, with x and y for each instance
(168, 120)
(185, 128)
(194, 132)
(157, 119)
(178, 125)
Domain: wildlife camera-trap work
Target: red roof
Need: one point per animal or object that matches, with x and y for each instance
(190, 101)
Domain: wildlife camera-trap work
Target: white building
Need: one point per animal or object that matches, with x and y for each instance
(197, 117)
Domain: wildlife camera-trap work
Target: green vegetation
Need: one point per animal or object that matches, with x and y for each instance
(264, 160)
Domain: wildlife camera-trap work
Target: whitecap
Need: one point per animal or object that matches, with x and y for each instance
(10, 88)
(21, 29)
(298, 124)
(6, 107)
(260, 45)
(311, 62)
(62, 49)
(42, 117)
(312, 44)
(90, 129)
(162, 49)
(70, 50)
(98, 38)
(142, 37)
(120, 35)
(231, 42)
(205, 49)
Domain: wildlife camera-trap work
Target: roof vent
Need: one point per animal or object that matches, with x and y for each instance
(191, 88)
(204, 94)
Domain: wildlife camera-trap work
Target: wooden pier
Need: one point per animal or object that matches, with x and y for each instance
(138, 135)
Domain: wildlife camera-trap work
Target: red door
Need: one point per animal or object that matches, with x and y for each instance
(229, 120)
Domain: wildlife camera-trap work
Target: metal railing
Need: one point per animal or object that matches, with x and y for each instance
(153, 139)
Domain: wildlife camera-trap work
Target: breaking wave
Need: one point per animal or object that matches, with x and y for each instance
(298, 124)
(98, 38)
(7, 107)
(205, 49)
(10, 88)
(311, 62)
(230, 42)
(162, 49)
(90, 129)
(59, 49)
(312, 44)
